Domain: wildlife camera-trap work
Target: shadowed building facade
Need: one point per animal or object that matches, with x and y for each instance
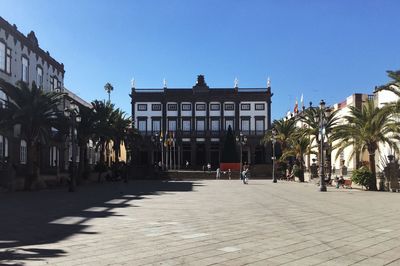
(188, 125)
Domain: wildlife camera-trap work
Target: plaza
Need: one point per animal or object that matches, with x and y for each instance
(200, 222)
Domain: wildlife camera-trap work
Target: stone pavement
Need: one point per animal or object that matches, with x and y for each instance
(213, 222)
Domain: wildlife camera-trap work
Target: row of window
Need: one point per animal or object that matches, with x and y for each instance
(5, 66)
(200, 107)
(200, 124)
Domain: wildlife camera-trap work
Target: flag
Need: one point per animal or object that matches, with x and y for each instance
(296, 108)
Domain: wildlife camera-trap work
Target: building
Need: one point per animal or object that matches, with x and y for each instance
(195, 121)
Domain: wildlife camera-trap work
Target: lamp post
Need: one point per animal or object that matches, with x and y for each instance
(273, 155)
(73, 113)
(162, 151)
(322, 186)
(242, 139)
(154, 140)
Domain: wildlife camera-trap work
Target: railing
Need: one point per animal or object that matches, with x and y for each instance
(203, 133)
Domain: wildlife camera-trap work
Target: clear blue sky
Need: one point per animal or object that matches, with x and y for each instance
(324, 49)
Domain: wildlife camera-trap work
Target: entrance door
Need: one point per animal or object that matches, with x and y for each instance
(200, 154)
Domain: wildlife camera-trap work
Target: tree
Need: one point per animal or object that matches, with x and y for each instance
(108, 88)
(35, 111)
(364, 129)
(298, 146)
(86, 132)
(103, 112)
(284, 132)
(229, 153)
(119, 124)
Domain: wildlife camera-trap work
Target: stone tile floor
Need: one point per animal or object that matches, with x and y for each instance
(212, 222)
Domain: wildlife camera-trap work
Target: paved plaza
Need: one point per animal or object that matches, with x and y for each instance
(207, 222)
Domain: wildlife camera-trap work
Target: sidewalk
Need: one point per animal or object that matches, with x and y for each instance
(220, 222)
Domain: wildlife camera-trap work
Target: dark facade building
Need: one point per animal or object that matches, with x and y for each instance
(188, 125)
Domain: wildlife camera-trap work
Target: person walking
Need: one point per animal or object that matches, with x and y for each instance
(244, 177)
(209, 167)
(218, 173)
(229, 174)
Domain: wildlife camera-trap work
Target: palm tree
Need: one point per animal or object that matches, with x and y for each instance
(36, 113)
(103, 112)
(311, 118)
(85, 131)
(298, 146)
(120, 124)
(284, 131)
(364, 129)
(108, 88)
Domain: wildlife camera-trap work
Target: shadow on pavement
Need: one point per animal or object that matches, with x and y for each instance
(44, 217)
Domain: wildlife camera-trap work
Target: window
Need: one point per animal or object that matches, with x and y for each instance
(214, 125)
(54, 161)
(260, 106)
(142, 107)
(23, 152)
(260, 126)
(171, 125)
(54, 83)
(200, 107)
(8, 61)
(2, 56)
(229, 106)
(245, 107)
(245, 124)
(3, 99)
(186, 107)
(200, 125)
(39, 77)
(156, 125)
(229, 122)
(3, 147)
(172, 107)
(25, 69)
(215, 106)
(186, 125)
(156, 107)
(142, 125)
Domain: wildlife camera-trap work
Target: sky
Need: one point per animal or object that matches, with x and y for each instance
(322, 49)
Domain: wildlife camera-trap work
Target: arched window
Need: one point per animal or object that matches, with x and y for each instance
(23, 152)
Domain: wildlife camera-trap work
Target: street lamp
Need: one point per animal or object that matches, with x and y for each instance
(242, 139)
(73, 113)
(322, 186)
(162, 151)
(273, 155)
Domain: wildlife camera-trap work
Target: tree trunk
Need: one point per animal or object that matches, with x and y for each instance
(373, 170)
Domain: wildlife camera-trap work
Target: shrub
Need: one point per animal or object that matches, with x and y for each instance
(363, 176)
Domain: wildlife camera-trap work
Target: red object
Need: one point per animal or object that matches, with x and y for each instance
(227, 166)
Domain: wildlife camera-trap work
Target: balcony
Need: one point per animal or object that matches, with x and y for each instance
(205, 133)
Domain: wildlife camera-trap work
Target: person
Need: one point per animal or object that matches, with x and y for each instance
(209, 167)
(229, 174)
(244, 177)
(340, 182)
(159, 165)
(218, 173)
(187, 164)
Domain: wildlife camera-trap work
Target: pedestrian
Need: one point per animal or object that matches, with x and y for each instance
(244, 177)
(187, 164)
(218, 173)
(209, 167)
(229, 174)
(159, 165)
